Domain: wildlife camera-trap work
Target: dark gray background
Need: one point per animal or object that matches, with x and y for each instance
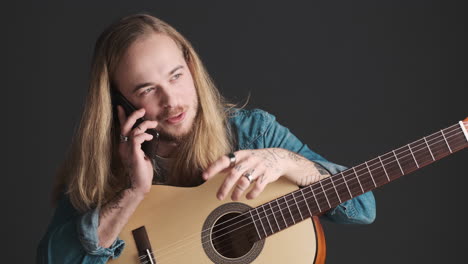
(353, 79)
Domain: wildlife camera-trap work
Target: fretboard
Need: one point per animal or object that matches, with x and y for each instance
(328, 193)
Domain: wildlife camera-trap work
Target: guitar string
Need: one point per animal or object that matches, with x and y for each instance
(394, 168)
(405, 155)
(180, 241)
(353, 178)
(298, 210)
(232, 219)
(358, 165)
(343, 171)
(166, 259)
(365, 169)
(295, 206)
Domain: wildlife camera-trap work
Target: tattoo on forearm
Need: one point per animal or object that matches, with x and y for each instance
(321, 170)
(296, 157)
(281, 153)
(272, 155)
(318, 174)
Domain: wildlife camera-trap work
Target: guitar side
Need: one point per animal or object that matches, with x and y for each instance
(174, 216)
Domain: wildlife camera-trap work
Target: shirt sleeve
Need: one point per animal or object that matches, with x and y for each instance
(359, 210)
(72, 238)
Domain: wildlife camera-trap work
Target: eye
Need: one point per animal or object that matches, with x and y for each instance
(146, 91)
(177, 76)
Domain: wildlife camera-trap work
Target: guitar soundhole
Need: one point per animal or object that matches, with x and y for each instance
(229, 236)
(232, 235)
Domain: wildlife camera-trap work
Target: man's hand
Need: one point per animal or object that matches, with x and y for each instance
(264, 166)
(138, 166)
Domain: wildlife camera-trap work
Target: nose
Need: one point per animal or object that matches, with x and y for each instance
(169, 98)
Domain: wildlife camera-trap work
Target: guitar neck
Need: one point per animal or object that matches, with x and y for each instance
(328, 193)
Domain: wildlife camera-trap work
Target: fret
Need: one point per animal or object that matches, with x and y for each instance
(358, 179)
(437, 145)
(298, 208)
(294, 208)
(268, 220)
(421, 152)
(412, 154)
(456, 139)
(255, 223)
(282, 215)
(274, 216)
(391, 165)
(364, 177)
(377, 172)
(292, 216)
(406, 159)
(321, 196)
(324, 194)
(383, 166)
(261, 222)
(330, 192)
(341, 183)
(302, 203)
(429, 148)
(396, 158)
(370, 173)
(307, 204)
(315, 197)
(352, 181)
(336, 191)
(311, 200)
(446, 141)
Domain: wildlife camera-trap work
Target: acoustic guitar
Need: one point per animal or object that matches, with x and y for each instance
(189, 225)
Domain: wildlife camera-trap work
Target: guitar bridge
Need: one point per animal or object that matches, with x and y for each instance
(145, 252)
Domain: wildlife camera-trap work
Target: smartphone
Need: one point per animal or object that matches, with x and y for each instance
(149, 147)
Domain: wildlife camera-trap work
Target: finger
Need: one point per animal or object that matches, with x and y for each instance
(246, 164)
(143, 127)
(259, 186)
(131, 120)
(134, 144)
(216, 167)
(139, 139)
(241, 186)
(232, 177)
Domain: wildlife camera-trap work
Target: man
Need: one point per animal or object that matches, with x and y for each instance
(107, 174)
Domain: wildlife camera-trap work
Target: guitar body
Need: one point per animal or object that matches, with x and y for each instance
(175, 219)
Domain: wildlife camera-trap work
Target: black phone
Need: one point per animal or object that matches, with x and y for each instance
(149, 147)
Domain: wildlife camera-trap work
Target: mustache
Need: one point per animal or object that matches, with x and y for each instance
(171, 112)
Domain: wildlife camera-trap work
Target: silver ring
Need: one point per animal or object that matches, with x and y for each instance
(248, 175)
(123, 138)
(232, 159)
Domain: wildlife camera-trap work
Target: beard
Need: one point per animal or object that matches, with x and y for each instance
(169, 136)
(172, 137)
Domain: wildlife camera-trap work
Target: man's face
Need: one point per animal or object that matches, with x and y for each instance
(154, 75)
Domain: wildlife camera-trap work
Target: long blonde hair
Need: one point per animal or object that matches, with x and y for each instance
(92, 172)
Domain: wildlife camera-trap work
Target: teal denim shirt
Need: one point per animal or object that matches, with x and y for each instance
(72, 237)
